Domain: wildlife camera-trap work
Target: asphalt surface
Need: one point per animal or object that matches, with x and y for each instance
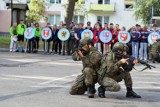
(38, 80)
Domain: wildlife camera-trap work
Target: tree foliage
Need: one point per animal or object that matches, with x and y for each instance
(36, 10)
(74, 7)
(79, 8)
(143, 10)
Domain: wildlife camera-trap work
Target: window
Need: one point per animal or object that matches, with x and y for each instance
(128, 6)
(57, 19)
(100, 1)
(106, 1)
(103, 1)
(51, 19)
(22, 14)
(81, 19)
(99, 18)
(78, 19)
(55, 1)
(104, 19)
(14, 16)
(75, 20)
(54, 19)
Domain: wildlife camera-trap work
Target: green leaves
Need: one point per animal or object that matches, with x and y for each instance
(36, 10)
(143, 10)
(79, 8)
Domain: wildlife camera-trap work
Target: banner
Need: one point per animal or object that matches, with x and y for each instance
(63, 34)
(46, 33)
(29, 33)
(124, 37)
(87, 33)
(105, 36)
(153, 37)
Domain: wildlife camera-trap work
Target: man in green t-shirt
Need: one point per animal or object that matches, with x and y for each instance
(21, 29)
(37, 36)
(13, 34)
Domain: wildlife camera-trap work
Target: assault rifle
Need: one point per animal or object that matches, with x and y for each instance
(148, 66)
(130, 60)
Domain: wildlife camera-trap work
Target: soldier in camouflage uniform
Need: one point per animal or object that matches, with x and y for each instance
(115, 69)
(154, 54)
(91, 59)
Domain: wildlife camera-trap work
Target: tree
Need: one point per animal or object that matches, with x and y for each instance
(74, 7)
(36, 10)
(143, 10)
(70, 11)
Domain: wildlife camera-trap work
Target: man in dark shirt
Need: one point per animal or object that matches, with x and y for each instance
(78, 32)
(135, 41)
(143, 44)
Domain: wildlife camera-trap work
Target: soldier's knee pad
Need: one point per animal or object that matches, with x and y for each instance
(116, 87)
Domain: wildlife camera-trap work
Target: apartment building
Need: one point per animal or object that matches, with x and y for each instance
(108, 11)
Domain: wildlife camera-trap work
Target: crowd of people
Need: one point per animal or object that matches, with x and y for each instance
(138, 45)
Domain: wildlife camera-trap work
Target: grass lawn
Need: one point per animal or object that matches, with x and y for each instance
(5, 42)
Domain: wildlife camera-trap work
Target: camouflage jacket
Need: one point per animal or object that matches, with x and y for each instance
(113, 66)
(92, 59)
(155, 47)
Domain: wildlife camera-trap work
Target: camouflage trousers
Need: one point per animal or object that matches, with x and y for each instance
(154, 56)
(82, 81)
(111, 84)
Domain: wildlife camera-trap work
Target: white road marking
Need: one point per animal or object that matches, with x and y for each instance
(62, 78)
(62, 86)
(60, 62)
(31, 77)
(5, 78)
(25, 60)
(49, 79)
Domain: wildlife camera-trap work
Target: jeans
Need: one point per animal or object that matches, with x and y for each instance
(135, 47)
(12, 45)
(98, 46)
(143, 51)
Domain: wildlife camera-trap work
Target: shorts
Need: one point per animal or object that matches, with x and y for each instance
(20, 38)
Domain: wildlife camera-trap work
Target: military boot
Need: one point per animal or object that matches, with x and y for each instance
(131, 94)
(91, 91)
(101, 92)
(94, 91)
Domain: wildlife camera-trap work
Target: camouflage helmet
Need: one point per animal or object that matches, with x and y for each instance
(86, 41)
(120, 46)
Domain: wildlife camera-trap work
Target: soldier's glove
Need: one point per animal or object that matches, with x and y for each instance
(128, 66)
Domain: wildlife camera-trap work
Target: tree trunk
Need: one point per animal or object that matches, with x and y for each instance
(70, 12)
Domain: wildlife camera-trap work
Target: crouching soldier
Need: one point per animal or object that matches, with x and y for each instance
(91, 59)
(114, 69)
(154, 54)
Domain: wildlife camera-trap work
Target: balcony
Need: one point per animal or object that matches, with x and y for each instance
(102, 8)
(17, 4)
(129, 1)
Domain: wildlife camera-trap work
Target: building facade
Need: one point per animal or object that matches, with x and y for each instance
(108, 11)
(8, 16)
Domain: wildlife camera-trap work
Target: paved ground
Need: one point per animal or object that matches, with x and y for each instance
(36, 80)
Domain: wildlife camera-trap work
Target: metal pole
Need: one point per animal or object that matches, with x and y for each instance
(27, 47)
(11, 12)
(45, 46)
